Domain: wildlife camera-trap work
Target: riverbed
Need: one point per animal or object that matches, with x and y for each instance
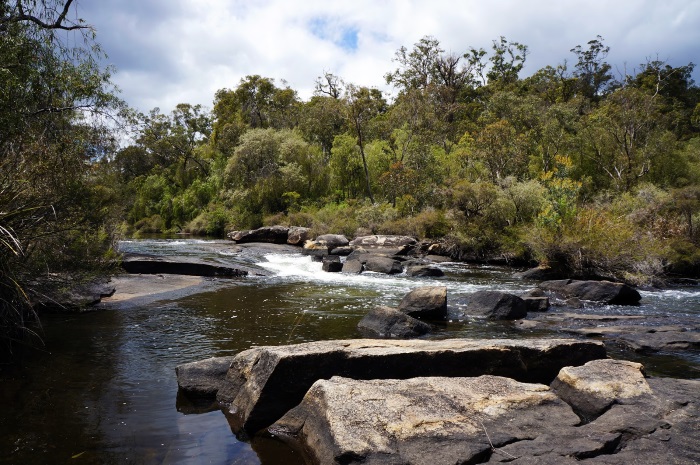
(103, 388)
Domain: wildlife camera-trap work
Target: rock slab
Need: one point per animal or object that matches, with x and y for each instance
(422, 421)
(263, 383)
(142, 264)
(597, 291)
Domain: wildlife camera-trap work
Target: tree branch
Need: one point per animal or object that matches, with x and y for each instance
(58, 24)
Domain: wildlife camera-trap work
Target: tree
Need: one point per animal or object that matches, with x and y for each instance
(624, 138)
(172, 140)
(53, 214)
(362, 104)
(501, 150)
(591, 71)
(507, 61)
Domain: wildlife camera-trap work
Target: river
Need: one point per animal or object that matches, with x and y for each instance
(102, 390)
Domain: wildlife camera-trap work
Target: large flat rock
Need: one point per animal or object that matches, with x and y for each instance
(490, 419)
(263, 383)
(145, 264)
(421, 421)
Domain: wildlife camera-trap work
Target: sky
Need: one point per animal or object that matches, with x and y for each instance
(182, 51)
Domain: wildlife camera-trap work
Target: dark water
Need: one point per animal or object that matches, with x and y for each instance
(104, 390)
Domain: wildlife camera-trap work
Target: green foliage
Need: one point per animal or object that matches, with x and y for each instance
(56, 204)
(558, 165)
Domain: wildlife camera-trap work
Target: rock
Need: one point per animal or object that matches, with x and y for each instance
(298, 235)
(380, 264)
(387, 322)
(331, 241)
(592, 388)
(648, 341)
(496, 305)
(204, 377)
(62, 296)
(596, 291)
(534, 292)
(353, 266)
(358, 254)
(573, 302)
(424, 271)
(437, 259)
(268, 234)
(656, 429)
(536, 304)
(426, 303)
(420, 421)
(331, 264)
(342, 251)
(642, 339)
(388, 245)
(142, 264)
(540, 273)
(263, 383)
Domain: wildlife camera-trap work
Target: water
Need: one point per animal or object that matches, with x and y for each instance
(103, 389)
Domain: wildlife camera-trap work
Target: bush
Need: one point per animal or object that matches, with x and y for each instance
(598, 244)
(152, 224)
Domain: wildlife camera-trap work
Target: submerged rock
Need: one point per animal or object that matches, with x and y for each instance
(387, 322)
(263, 383)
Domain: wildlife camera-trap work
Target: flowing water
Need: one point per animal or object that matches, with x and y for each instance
(103, 389)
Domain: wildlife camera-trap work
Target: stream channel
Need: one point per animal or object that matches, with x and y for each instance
(103, 390)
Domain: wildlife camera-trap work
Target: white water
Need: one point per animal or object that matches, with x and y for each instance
(300, 268)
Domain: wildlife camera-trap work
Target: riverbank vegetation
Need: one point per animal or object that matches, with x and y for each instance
(575, 166)
(55, 209)
(578, 165)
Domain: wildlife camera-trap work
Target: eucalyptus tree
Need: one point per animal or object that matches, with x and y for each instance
(53, 97)
(362, 105)
(592, 72)
(507, 60)
(624, 138)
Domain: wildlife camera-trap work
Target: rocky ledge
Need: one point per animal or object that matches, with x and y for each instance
(146, 264)
(492, 419)
(263, 383)
(540, 401)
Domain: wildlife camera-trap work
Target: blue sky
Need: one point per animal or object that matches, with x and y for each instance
(173, 51)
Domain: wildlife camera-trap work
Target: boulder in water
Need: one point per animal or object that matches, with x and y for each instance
(387, 322)
(496, 305)
(426, 303)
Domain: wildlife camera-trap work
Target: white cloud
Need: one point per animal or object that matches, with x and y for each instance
(169, 51)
